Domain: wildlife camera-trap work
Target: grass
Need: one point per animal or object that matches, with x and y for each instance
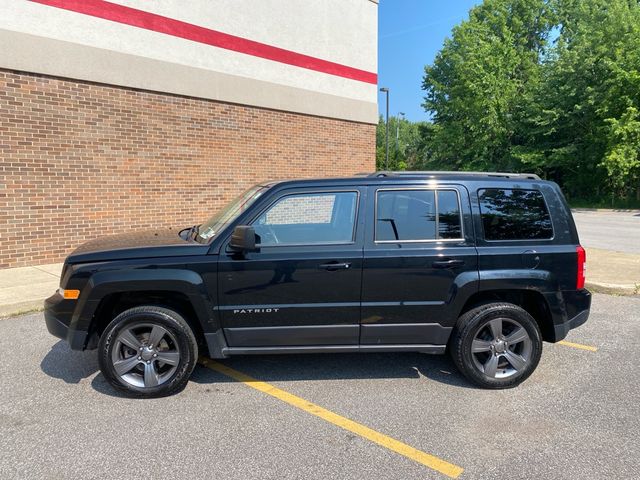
(20, 312)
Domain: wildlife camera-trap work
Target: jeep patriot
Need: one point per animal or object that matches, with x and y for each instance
(485, 266)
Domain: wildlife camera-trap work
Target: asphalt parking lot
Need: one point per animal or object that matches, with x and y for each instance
(576, 417)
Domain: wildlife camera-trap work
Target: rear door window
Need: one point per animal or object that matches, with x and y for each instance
(514, 214)
(419, 215)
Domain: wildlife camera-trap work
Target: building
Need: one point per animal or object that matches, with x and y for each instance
(134, 113)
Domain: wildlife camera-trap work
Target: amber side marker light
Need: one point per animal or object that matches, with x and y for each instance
(69, 294)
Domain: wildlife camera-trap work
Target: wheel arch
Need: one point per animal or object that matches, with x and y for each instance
(113, 304)
(110, 293)
(532, 301)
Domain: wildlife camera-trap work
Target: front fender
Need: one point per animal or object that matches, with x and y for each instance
(187, 282)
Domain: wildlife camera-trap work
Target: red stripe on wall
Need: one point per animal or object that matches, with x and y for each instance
(158, 23)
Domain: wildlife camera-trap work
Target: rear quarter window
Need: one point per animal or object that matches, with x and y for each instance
(514, 214)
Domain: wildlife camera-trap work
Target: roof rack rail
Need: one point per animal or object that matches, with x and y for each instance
(408, 173)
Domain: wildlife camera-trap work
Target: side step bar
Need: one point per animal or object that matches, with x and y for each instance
(218, 348)
(432, 349)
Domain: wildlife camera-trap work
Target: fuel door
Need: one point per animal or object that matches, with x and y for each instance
(530, 259)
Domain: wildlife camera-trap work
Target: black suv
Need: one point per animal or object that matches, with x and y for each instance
(484, 265)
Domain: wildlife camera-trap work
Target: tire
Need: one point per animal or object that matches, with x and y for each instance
(148, 370)
(496, 345)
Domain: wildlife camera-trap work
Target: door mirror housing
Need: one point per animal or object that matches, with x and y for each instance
(243, 239)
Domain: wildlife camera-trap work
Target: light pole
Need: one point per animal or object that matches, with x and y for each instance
(400, 114)
(386, 137)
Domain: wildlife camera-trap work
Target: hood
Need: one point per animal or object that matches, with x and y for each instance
(139, 244)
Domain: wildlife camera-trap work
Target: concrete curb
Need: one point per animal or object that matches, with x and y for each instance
(22, 308)
(613, 289)
(24, 289)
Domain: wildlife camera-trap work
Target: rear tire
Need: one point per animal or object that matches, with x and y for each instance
(497, 345)
(148, 351)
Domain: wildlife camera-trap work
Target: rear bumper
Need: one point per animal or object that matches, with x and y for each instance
(58, 315)
(562, 329)
(578, 306)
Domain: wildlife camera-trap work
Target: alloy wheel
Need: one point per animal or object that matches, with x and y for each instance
(145, 355)
(501, 348)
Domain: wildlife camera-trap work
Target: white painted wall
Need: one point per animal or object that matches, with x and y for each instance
(89, 48)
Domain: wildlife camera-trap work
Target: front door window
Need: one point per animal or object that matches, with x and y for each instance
(308, 219)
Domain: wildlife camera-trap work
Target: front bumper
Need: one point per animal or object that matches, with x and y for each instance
(578, 305)
(58, 316)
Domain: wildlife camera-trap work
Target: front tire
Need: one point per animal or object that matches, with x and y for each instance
(497, 345)
(148, 351)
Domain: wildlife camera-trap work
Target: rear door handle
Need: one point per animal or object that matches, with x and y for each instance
(451, 263)
(332, 266)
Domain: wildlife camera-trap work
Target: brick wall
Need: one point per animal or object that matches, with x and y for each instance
(81, 160)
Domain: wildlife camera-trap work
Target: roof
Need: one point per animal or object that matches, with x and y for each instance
(437, 174)
(413, 176)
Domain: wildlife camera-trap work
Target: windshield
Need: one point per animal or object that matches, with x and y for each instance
(228, 214)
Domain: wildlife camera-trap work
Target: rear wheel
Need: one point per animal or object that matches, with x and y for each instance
(497, 345)
(148, 352)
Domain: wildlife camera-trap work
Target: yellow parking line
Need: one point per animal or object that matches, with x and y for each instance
(431, 461)
(578, 345)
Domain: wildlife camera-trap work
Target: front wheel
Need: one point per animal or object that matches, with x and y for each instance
(148, 351)
(497, 345)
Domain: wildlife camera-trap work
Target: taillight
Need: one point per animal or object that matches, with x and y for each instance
(582, 265)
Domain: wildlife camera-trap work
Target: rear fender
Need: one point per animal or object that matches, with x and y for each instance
(518, 279)
(541, 281)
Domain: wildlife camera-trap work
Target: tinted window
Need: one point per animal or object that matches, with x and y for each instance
(310, 218)
(414, 215)
(514, 215)
(448, 215)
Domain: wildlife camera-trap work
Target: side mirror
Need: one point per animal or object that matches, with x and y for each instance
(243, 239)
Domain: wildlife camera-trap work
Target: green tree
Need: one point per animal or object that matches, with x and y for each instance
(582, 128)
(622, 160)
(551, 86)
(405, 142)
(481, 82)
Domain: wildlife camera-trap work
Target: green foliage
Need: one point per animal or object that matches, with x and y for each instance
(622, 160)
(405, 142)
(480, 85)
(550, 86)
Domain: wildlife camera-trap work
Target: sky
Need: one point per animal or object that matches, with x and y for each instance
(410, 33)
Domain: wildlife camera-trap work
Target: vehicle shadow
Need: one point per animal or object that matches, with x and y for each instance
(73, 366)
(68, 365)
(100, 385)
(338, 366)
(320, 367)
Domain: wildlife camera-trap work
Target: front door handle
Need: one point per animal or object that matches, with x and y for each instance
(332, 266)
(451, 263)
